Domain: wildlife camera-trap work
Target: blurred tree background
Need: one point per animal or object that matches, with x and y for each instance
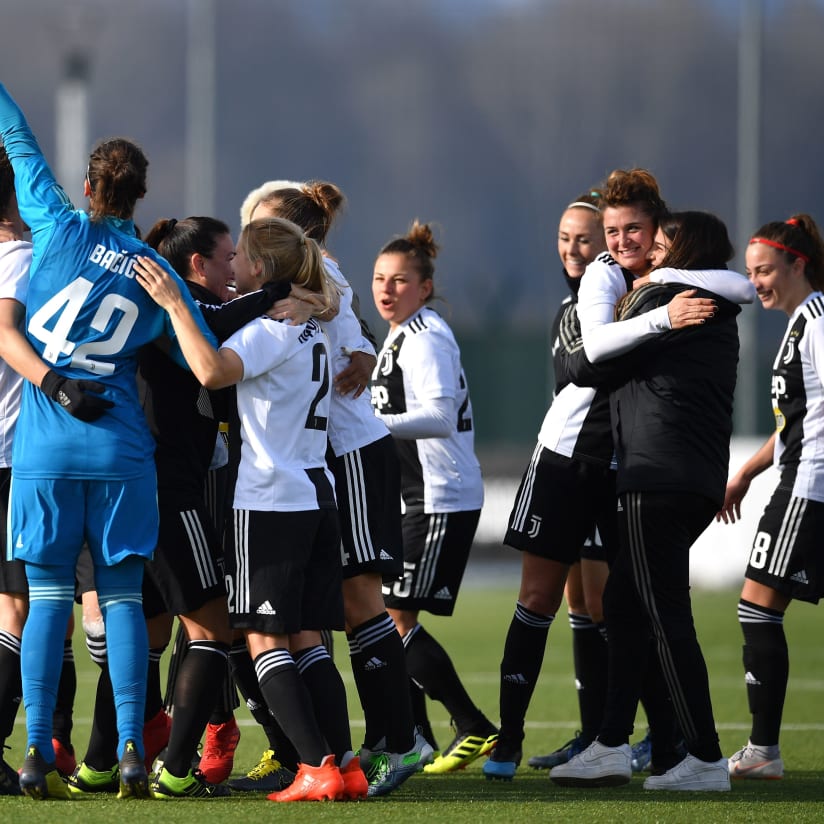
(485, 117)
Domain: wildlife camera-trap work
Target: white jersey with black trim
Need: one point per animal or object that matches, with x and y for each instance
(283, 405)
(352, 421)
(798, 400)
(419, 364)
(15, 262)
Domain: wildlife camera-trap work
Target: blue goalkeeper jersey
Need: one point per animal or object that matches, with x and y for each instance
(87, 316)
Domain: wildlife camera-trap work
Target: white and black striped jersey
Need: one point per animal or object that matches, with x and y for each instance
(283, 405)
(352, 421)
(577, 423)
(798, 400)
(420, 363)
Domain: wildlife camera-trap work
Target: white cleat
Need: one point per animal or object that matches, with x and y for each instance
(753, 761)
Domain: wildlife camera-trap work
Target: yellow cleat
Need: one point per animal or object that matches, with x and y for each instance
(462, 751)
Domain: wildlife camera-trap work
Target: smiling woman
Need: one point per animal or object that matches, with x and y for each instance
(785, 262)
(420, 392)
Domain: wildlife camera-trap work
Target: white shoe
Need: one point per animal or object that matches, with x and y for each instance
(691, 774)
(596, 766)
(753, 761)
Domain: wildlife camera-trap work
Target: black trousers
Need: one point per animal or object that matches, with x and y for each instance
(648, 597)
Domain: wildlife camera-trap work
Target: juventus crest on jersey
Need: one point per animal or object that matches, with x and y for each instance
(798, 399)
(420, 362)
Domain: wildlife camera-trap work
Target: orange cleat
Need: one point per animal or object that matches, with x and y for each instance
(156, 733)
(323, 783)
(219, 751)
(355, 785)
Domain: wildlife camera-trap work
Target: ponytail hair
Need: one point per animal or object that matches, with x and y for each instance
(178, 240)
(797, 237)
(117, 178)
(418, 244)
(313, 206)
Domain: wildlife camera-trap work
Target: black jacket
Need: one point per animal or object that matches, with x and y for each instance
(671, 401)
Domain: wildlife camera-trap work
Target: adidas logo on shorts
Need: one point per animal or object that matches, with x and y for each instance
(516, 678)
(443, 594)
(374, 664)
(749, 678)
(800, 577)
(266, 609)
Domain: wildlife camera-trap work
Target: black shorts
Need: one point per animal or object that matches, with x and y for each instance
(561, 504)
(436, 550)
(12, 573)
(283, 571)
(786, 552)
(368, 489)
(186, 571)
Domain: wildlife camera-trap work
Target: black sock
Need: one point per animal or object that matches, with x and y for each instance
(197, 683)
(589, 654)
(66, 691)
(11, 687)
(154, 696)
(380, 675)
(244, 676)
(520, 667)
(290, 704)
(374, 722)
(179, 650)
(417, 698)
(429, 664)
(328, 695)
(767, 668)
(101, 754)
(227, 701)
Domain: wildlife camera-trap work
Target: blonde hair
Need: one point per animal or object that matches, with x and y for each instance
(286, 253)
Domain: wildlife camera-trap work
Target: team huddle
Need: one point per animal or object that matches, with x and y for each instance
(203, 429)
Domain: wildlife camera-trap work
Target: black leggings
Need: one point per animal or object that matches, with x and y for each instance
(648, 597)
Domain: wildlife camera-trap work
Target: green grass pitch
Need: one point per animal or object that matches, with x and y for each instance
(474, 637)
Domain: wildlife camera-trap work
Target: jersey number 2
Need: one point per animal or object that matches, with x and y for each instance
(320, 373)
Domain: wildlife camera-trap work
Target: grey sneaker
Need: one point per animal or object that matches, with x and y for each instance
(596, 766)
(693, 775)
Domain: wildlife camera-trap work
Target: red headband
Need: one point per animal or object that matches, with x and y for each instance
(776, 245)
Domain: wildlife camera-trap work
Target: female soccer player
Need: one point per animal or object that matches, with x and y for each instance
(367, 485)
(90, 473)
(284, 567)
(567, 492)
(785, 262)
(420, 392)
